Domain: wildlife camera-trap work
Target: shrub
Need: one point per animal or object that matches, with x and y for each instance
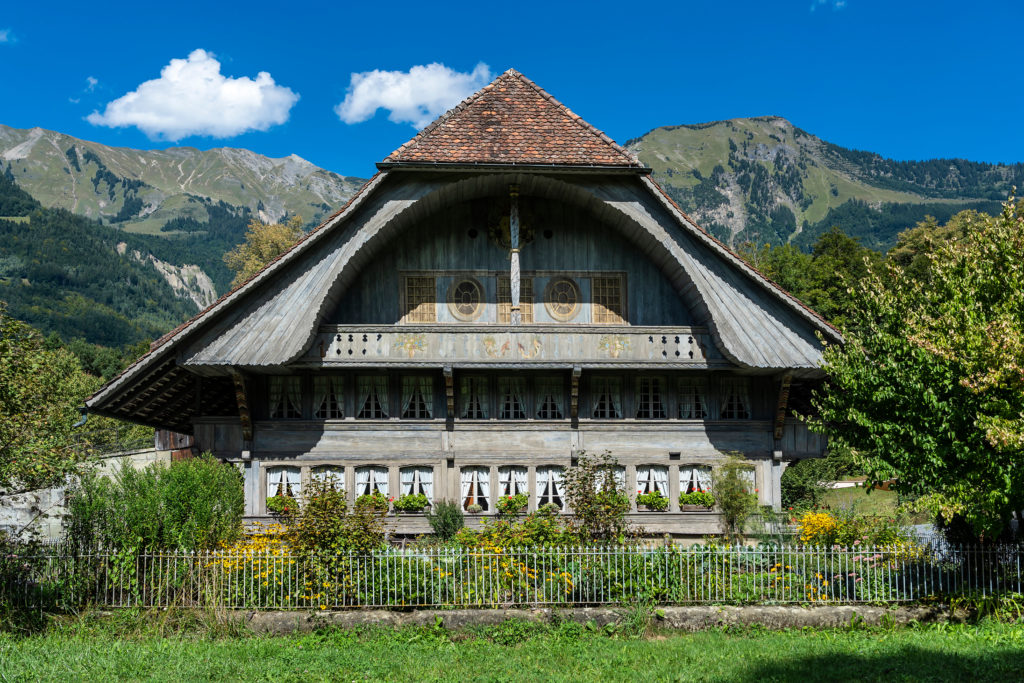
(281, 505)
(446, 518)
(653, 500)
(193, 504)
(698, 497)
(412, 502)
(598, 504)
(732, 491)
(512, 505)
(325, 524)
(474, 508)
(541, 528)
(848, 529)
(805, 482)
(375, 500)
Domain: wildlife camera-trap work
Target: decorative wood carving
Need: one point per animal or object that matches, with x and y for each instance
(242, 397)
(781, 406)
(574, 393)
(449, 392)
(513, 236)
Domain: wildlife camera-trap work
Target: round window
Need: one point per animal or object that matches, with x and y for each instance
(562, 298)
(465, 299)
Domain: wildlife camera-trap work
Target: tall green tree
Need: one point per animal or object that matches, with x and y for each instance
(931, 378)
(39, 392)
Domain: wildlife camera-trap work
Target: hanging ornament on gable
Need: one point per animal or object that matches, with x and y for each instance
(498, 225)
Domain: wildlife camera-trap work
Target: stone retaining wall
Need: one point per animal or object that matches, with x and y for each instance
(681, 618)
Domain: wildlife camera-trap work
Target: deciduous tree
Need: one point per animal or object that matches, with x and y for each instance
(931, 378)
(263, 243)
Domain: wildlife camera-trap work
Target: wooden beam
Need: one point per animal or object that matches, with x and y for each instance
(782, 405)
(449, 391)
(242, 398)
(574, 393)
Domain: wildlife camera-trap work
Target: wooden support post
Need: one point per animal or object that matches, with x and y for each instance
(242, 398)
(513, 238)
(781, 407)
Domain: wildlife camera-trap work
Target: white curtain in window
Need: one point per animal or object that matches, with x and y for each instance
(380, 385)
(294, 480)
(687, 480)
(466, 481)
(427, 392)
(332, 476)
(484, 481)
(618, 478)
(473, 397)
(380, 479)
(426, 476)
(549, 484)
(364, 389)
(362, 481)
(274, 386)
(686, 407)
(408, 476)
(643, 478)
(660, 479)
(748, 476)
(519, 478)
(703, 478)
(512, 392)
(321, 395)
(275, 476)
(294, 385)
(550, 391)
(511, 480)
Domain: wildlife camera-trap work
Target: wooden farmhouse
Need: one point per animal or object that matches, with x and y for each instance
(509, 290)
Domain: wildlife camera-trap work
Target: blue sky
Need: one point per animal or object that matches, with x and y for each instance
(910, 80)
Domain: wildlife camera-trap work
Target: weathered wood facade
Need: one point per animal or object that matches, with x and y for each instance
(511, 289)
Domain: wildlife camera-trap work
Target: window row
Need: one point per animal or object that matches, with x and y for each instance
(562, 298)
(514, 398)
(475, 485)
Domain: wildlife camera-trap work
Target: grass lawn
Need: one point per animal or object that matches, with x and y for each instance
(516, 651)
(876, 502)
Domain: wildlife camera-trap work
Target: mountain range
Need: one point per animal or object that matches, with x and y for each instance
(156, 224)
(763, 180)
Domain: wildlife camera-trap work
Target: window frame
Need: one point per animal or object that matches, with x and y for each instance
(503, 297)
(549, 304)
(453, 305)
(639, 396)
(418, 284)
(600, 312)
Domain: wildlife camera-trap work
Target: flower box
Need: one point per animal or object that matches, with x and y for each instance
(695, 508)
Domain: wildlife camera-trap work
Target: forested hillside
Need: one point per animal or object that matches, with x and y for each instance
(68, 275)
(763, 180)
(197, 202)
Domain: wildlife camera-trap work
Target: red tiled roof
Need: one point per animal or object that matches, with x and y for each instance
(512, 121)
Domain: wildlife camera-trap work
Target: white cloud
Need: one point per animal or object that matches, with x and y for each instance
(418, 96)
(191, 97)
(836, 5)
(90, 83)
(6, 35)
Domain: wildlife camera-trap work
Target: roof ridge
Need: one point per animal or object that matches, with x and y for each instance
(625, 157)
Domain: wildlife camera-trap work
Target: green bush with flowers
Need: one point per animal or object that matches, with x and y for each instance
(281, 505)
(512, 505)
(655, 500)
(412, 502)
(376, 500)
(697, 497)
